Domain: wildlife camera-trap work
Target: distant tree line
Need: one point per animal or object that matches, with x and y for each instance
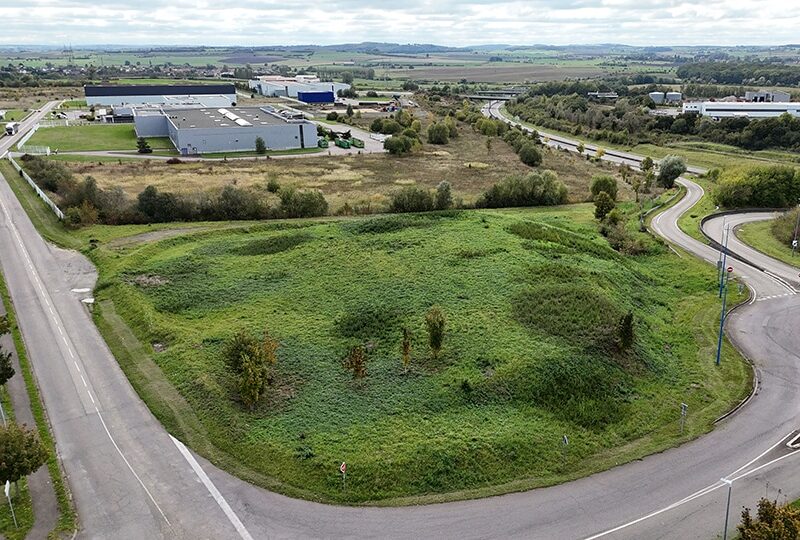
(741, 72)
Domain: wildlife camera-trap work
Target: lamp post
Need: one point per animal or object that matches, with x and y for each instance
(726, 234)
(724, 289)
(727, 508)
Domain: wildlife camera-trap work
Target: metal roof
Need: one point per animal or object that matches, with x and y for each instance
(157, 90)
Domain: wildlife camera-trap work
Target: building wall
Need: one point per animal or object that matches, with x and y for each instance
(151, 125)
(108, 101)
(212, 140)
(721, 109)
(291, 89)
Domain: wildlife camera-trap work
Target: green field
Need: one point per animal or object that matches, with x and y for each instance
(14, 115)
(759, 235)
(92, 137)
(530, 296)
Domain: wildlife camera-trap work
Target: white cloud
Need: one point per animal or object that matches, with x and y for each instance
(447, 22)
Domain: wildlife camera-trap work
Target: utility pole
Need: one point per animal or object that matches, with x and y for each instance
(726, 234)
(796, 227)
(728, 271)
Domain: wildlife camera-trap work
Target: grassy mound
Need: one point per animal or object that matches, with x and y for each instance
(533, 301)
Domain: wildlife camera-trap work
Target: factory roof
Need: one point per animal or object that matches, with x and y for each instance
(157, 90)
(230, 117)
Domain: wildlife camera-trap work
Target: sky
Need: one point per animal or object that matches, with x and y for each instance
(443, 22)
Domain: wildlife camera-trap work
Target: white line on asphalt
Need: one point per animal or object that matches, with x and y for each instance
(144, 487)
(706, 490)
(234, 519)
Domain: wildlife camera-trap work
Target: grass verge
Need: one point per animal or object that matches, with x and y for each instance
(758, 235)
(67, 520)
(23, 506)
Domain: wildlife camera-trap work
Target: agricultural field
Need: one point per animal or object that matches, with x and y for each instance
(93, 137)
(366, 180)
(33, 98)
(490, 72)
(532, 300)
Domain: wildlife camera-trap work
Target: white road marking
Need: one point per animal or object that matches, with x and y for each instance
(234, 519)
(708, 489)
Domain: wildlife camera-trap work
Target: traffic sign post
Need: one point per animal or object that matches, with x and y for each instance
(343, 470)
(8, 496)
(684, 409)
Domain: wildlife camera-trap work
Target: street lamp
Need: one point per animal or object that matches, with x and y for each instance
(726, 235)
(727, 508)
(724, 287)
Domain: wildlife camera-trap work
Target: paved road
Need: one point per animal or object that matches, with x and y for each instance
(131, 480)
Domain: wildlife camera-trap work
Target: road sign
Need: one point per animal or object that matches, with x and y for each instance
(565, 440)
(343, 467)
(730, 269)
(684, 408)
(794, 243)
(7, 488)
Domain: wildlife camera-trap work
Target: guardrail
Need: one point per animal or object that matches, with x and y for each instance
(42, 195)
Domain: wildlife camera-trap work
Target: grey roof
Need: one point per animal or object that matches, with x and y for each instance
(236, 117)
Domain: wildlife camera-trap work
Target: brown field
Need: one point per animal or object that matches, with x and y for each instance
(32, 98)
(365, 180)
(523, 72)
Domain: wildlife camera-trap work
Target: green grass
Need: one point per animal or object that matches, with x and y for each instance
(74, 104)
(15, 115)
(92, 137)
(758, 234)
(690, 221)
(487, 418)
(67, 518)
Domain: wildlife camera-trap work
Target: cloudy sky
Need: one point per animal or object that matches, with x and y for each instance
(446, 22)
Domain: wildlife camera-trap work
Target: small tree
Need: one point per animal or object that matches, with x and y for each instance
(261, 146)
(647, 164)
(626, 331)
(356, 362)
(488, 145)
(435, 321)
(604, 182)
(21, 453)
(406, 349)
(580, 148)
(252, 380)
(669, 169)
(772, 522)
(444, 197)
(530, 155)
(143, 147)
(599, 153)
(438, 133)
(603, 204)
(6, 369)
(636, 185)
(349, 111)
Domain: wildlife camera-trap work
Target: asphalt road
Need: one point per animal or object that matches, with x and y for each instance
(131, 480)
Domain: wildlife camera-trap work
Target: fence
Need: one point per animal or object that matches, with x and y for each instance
(42, 195)
(39, 150)
(27, 136)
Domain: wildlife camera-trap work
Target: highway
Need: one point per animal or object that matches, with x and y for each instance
(130, 479)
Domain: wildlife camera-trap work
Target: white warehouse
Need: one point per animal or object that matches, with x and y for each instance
(738, 109)
(275, 85)
(203, 130)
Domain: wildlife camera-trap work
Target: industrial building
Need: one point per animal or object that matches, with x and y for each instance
(210, 95)
(660, 98)
(203, 130)
(727, 109)
(306, 88)
(774, 96)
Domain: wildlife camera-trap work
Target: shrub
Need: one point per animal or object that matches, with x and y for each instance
(530, 155)
(416, 125)
(295, 204)
(604, 182)
(762, 187)
(333, 116)
(534, 189)
(669, 169)
(173, 161)
(412, 199)
(435, 322)
(398, 145)
(143, 147)
(273, 186)
(438, 133)
(626, 331)
(356, 362)
(772, 522)
(603, 204)
(405, 348)
(444, 197)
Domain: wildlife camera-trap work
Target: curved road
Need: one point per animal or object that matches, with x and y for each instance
(132, 480)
